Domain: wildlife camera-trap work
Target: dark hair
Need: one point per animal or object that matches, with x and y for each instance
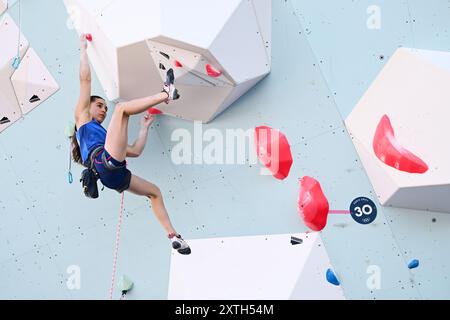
(76, 152)
(93, 98)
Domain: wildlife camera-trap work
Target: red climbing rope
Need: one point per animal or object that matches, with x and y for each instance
(116, 251)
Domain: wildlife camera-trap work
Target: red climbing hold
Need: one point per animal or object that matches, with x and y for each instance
(389, 150)
(274, 151)
(89, 37)
(212, 72)
(178, 64)
(312, 204)
(154, 111)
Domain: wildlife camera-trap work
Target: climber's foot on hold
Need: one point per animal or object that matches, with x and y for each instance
(169, 87)
(179, 244)
(170, 77)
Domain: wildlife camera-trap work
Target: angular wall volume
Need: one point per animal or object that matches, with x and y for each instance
(412, 91)
(9, 39)
(25, 85)
(218, 49)
(32, 82)
(254, 267)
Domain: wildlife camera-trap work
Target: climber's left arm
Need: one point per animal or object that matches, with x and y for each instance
(135, 150)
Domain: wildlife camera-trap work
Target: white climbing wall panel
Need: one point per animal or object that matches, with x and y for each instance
(32, 82)
(231, 37)
(413, 91)
(26, 87)
(3, 6)
(254, 267)
(9, 39)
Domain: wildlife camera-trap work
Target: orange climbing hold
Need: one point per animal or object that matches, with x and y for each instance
(312, 204)
(274, 151)
(389, 150)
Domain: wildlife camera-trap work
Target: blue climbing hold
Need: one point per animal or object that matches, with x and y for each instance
(16, 62)
(331, 278)
(413, 264)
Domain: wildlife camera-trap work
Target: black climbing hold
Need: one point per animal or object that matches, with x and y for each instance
(295, 241)
(34, 98)
(165, 55)
(4, 120)
(161, 66)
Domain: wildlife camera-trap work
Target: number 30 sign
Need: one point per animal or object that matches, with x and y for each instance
(363, 210)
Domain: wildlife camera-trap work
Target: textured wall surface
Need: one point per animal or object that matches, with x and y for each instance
(323, 59)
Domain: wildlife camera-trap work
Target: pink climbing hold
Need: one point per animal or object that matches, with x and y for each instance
(389, 150)
(274, 151)
(178, 64)
(89, 37)
(154, 111)
(312, 204)
(214, 73)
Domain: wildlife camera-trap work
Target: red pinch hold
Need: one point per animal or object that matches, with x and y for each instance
(154, 111)
(312, 204)
(274, 151)
(389, 150)
(214, 73)
(89, 37)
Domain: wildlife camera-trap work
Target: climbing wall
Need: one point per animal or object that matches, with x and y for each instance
(411, 91)
(24, 83)
(222, 50)
(32, 82)
(10, 110)
(57, 244)
(257, 267)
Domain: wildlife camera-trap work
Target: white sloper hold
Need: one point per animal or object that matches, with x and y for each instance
(9, 39)
(32, 82)
(253, 268)
(218, 49)
(410, 99)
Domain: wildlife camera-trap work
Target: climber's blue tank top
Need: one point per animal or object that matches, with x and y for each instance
(90, 136)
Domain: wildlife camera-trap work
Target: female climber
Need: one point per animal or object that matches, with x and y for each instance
(109, 149)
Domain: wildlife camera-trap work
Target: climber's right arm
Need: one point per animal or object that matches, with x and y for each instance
(83, 105)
